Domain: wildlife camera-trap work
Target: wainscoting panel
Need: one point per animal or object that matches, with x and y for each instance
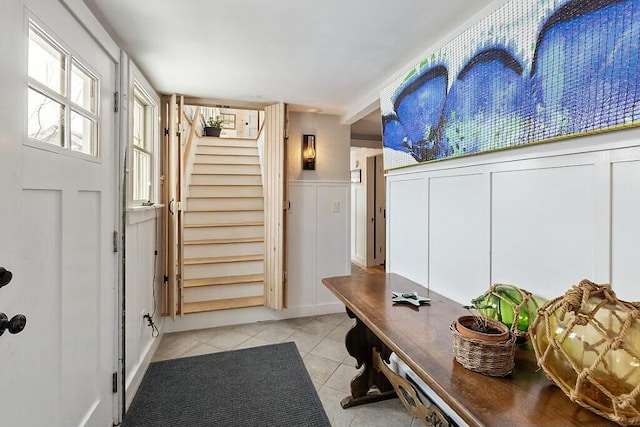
(542, 218)
(332, 206)
(459, 219)
(543, 224)
(625, 229)
(318, 242)
(301, 248)
(407, 228)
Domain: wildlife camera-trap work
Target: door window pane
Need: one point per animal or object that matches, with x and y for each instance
(83, 134)
(83, 87)
(45, 119)
(46, 62)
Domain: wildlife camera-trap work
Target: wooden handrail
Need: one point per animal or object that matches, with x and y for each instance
(192, 130)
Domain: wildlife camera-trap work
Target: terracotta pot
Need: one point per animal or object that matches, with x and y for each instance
(464, 326)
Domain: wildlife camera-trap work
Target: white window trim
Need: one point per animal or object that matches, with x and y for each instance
(139, 84)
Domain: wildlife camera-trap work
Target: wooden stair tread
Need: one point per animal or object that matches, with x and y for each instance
(223, 164)
(225, 185)
(226, 210)
(224, 241)
(228, 173)
(223, 259)
(223, 304)
(225, 197)
(226, 280)
(230, 224)
(229, 154)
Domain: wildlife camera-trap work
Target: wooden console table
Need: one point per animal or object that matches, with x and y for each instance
(420, 337)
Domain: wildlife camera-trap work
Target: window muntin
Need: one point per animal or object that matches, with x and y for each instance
(59, 94)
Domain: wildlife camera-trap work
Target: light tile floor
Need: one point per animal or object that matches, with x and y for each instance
(320, 341)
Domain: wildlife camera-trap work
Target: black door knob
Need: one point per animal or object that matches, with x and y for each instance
(5, 276)
(14, 326)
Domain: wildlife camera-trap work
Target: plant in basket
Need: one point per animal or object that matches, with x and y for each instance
(483, 345)
(481, 328)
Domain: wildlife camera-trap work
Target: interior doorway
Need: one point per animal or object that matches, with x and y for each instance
(368, 226)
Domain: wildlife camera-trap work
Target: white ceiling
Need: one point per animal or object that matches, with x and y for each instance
(324, 56)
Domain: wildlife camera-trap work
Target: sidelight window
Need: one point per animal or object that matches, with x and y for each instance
(142, 176)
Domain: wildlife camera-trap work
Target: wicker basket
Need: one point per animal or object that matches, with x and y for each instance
(495, 359)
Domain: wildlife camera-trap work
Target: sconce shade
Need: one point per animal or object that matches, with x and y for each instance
(308, 152)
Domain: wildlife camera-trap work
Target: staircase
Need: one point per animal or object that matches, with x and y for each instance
(224, 227)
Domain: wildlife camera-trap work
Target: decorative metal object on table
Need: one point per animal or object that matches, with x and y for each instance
(510, 305)
(588, 343)
(409, 297)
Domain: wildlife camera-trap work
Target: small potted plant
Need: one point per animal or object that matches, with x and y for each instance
(211, 126)
(483, 345)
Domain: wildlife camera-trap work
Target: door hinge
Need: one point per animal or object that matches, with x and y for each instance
(114, 382)
(115, 101)
(115, 241)
(284, 277)
(165, 279)
(166, 131)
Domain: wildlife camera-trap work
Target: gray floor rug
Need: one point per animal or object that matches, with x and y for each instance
(260, 386)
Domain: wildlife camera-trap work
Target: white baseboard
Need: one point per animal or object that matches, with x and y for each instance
(310, 310)
(247, 315)
(133, 381)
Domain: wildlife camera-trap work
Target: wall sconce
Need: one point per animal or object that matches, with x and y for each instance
(308, 152)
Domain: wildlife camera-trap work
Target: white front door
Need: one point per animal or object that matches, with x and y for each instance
(57, 217)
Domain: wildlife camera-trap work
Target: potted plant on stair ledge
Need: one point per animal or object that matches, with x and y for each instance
(211, 126)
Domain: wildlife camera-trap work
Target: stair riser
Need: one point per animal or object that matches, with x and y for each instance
(226, 180)
(225, 204)
(225, 191)
(228, 160)
(223, 291)
(223, 232)
(233, 151)
(221, 250)
(223, 217)
(226, 169)
(227, 142)
(201, 271)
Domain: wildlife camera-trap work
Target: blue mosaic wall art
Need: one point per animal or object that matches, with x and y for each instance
(532, 71)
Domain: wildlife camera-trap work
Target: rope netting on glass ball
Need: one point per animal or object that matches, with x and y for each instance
(588, 343)
(511, 305)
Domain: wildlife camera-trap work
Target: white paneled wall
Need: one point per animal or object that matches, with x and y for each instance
(625, 226)
(541, 217)
(318, 243)
(407, 227)
(144, 237)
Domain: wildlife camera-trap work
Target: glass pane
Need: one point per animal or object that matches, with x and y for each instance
(83, 88)
(138, 123)
(141, 175)
(46, 119)
(83, 134)
(46, 62)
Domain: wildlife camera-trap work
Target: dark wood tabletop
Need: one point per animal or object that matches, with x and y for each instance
(422, 339)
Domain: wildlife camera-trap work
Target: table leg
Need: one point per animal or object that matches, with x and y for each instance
(360, 342)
